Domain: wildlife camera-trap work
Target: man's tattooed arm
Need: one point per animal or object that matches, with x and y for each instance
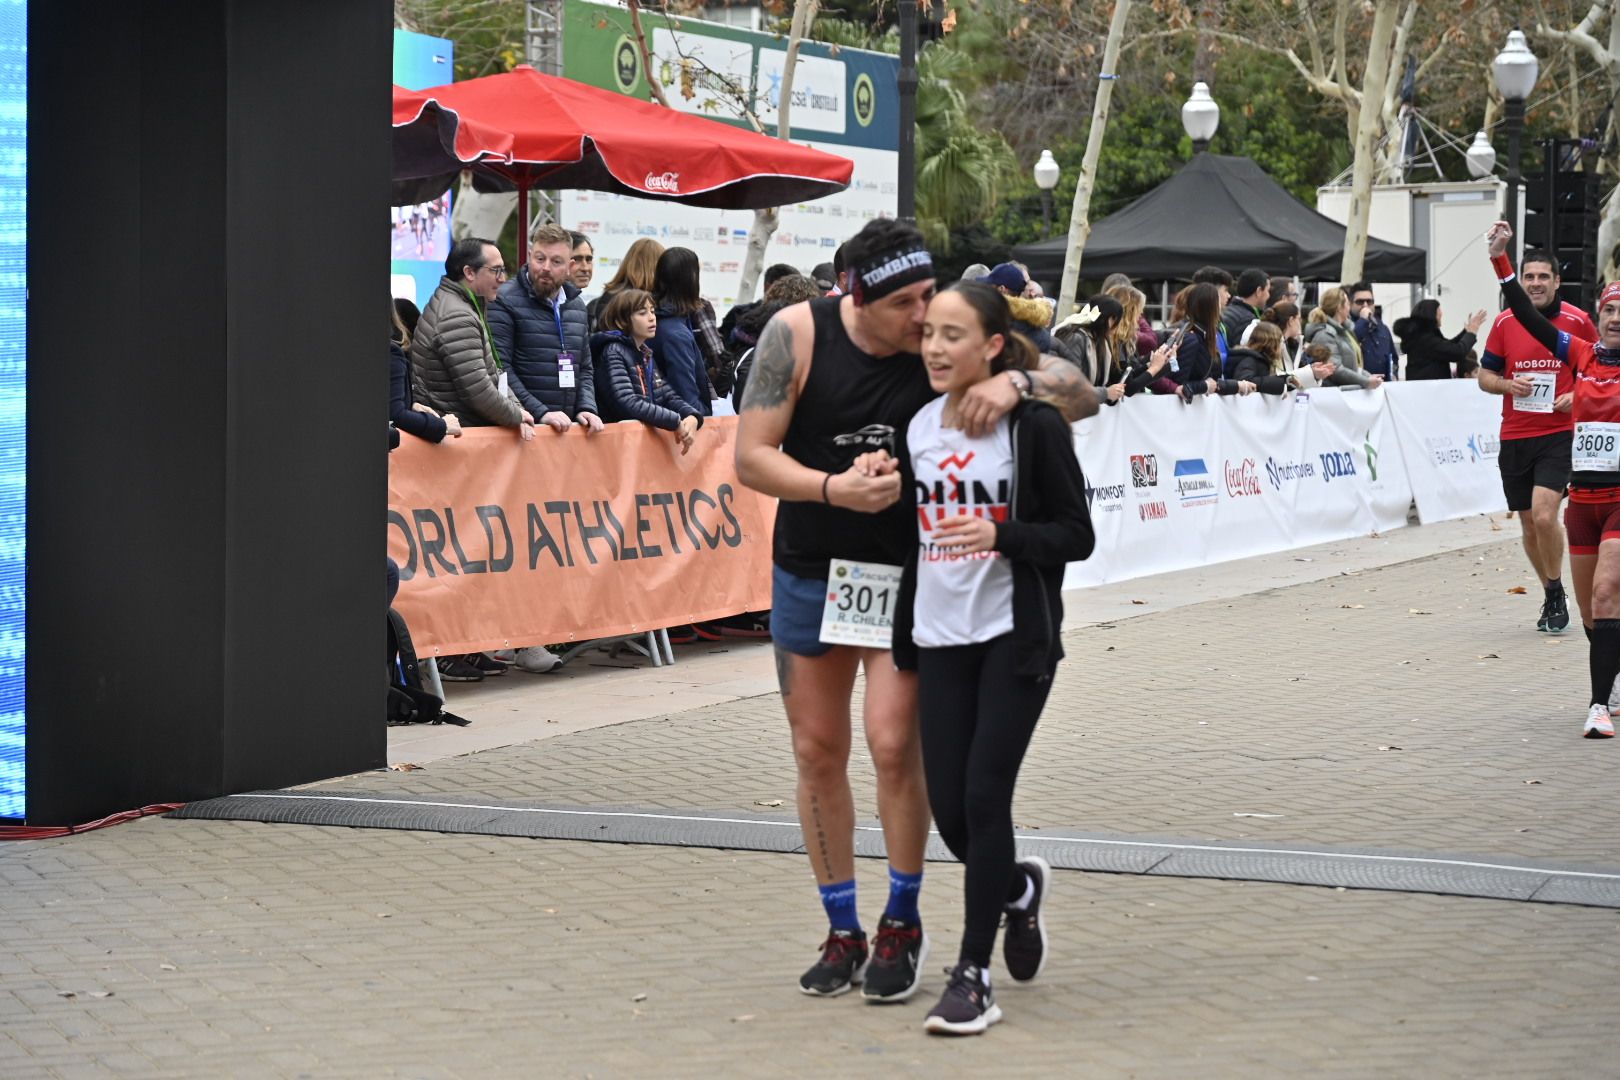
(770, 383)
(1060, 383)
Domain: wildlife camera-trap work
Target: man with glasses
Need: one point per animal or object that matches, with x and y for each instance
(541, 331)
(1378, 355)
(456, 366)
(1284, 288)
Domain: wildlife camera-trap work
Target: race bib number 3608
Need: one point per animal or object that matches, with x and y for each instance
(860, 604)
(1597, 447)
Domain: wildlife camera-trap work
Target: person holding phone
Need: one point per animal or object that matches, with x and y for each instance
(998, 514)
(1593, 517)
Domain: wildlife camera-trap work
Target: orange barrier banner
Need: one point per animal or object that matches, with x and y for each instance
(503, 543)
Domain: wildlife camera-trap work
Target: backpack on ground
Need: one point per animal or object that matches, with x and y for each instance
(409, 701)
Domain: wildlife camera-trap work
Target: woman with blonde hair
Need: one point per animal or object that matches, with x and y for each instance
(1128, 339)
(1333, 330)
(636, 271)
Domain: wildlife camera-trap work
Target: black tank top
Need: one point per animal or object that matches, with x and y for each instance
(851, 403)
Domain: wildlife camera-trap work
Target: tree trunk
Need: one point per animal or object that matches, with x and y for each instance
(765, 221)
(1373, 84)
(1608, 237)
(1080, 218)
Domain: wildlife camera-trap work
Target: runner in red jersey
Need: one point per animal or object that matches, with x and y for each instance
(1593, 517)
(1537, 427)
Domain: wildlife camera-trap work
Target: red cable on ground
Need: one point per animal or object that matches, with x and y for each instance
(51, 832)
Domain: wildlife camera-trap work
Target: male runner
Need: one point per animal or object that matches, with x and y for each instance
(1537, 426)
(834, 379)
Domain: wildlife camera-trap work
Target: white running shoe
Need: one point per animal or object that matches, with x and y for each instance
(536, 658)
(1598, 723)
(505, 656)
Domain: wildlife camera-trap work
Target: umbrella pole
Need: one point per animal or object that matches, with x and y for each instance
(523, 222)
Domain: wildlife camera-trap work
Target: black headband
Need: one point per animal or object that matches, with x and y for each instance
(883, 273)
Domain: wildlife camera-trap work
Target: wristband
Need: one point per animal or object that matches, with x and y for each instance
(1503, 267)
(1028, 389)
(825, 480)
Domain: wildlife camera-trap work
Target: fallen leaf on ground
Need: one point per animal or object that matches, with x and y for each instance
(101, 993)
(1415, 611)
(66, 994)
(1258, 815)
(1139, 601)
(1495, 527)
(639, 997)
(405, 766)
(1518, 590)
(1489, 656)
(1532, 781)
(1352, 607)
(167, 967)
(767, 802)
(1389, 748)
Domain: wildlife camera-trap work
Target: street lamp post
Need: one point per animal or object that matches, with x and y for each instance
(1046, 178)
(906, 83)
(1481, 156)
(1514, 69)
(1200, 117)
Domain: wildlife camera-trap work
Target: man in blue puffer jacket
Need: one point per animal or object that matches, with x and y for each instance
(540, 330)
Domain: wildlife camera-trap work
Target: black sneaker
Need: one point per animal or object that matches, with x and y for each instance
(487, 663)
(966, 1008)
(1557, 609)
(456, 669)
(842, 963)
(898, 953)
(1023, 942)
(1541, 620)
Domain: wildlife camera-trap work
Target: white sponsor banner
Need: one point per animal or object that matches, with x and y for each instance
(818, 91)
(1174, 485)
(1448, 434)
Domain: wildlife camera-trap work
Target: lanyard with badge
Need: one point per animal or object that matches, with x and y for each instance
(565, 359)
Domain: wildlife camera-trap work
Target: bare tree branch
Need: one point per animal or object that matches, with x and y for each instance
(646, 57)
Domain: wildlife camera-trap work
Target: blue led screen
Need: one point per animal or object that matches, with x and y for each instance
(13, 398)
(419, 236)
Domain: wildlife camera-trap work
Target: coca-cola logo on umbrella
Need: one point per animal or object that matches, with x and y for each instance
(670, 182)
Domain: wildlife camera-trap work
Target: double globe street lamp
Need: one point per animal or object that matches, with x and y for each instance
(1514, 70)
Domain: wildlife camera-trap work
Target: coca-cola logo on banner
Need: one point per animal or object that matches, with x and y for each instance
(1242, 478)
(670, 182)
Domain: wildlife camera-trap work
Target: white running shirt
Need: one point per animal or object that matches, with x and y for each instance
(961, 599)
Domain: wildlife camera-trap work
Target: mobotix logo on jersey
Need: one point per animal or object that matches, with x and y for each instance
(670, 182)
(1194, 484)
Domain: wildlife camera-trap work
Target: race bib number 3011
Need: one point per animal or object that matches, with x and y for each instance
(1540, 398)
(860, 604)
(1597, 448)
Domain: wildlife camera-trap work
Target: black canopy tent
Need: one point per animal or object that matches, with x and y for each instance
(1220, 211)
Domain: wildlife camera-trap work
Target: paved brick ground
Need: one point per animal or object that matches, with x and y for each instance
(236, 949)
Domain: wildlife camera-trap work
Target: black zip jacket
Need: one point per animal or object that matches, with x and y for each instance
(1048, 526)
(1244, 364)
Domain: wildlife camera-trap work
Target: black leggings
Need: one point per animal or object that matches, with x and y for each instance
(977, 717)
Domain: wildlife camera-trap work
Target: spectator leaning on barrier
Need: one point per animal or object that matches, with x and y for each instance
(1429, 353)
(538, 322)
(676, 349)
(1329, 325)
(1284, 315)
(636, 271)
(1378, 355)
(628, 380)
(1214, 275)
(404, 412)
(1089, 335)
(1197, 360)
(1249, 298)
(454, 363)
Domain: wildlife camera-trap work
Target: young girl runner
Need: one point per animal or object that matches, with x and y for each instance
(977, 616)
(629, 386)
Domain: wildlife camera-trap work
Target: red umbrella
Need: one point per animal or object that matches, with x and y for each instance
(563, 134)
(432, 145)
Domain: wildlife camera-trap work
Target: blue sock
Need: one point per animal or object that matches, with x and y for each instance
(903, 890)
(839, 900)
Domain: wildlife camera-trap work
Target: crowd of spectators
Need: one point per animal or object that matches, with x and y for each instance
(526, 350)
